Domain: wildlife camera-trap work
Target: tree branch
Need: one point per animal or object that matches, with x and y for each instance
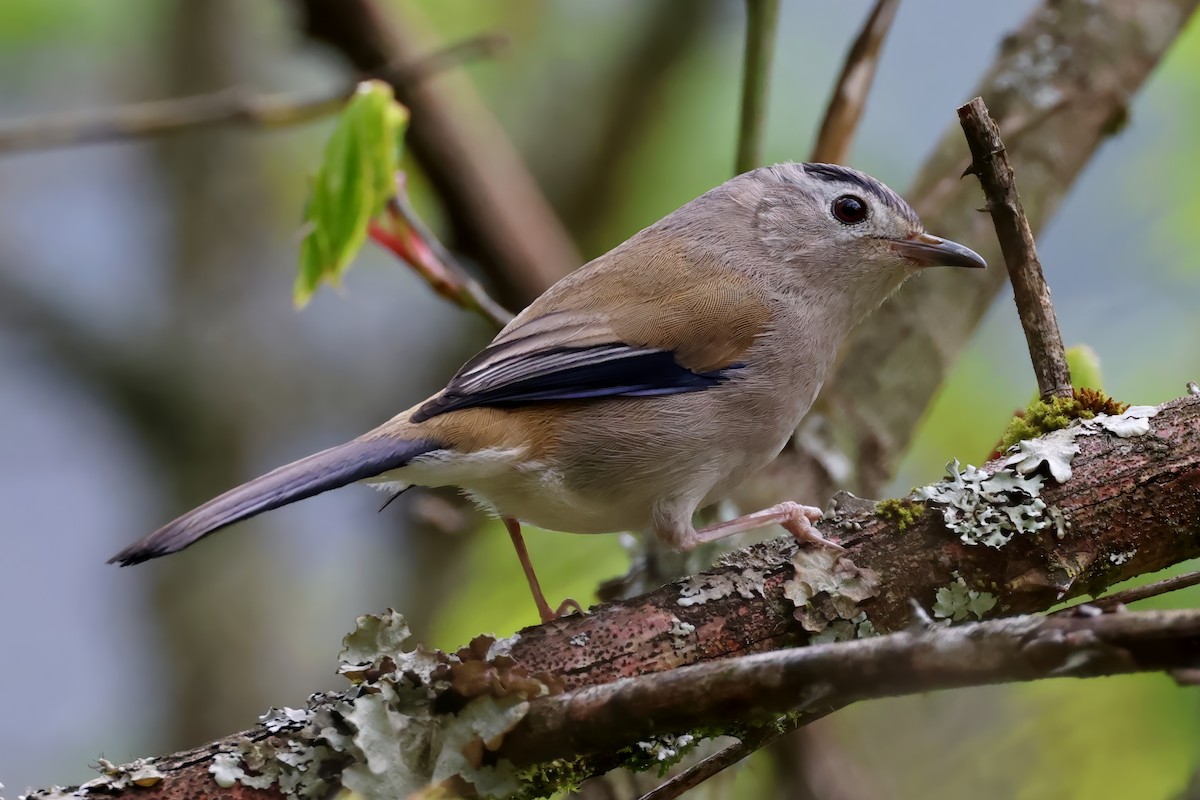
(829, 676)
(618, 666)
(989, 162)
(415, 245)
(235, 105)
(1146, 591)
(762, 19)
(853, 86)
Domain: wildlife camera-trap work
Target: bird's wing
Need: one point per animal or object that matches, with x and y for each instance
(625, 330)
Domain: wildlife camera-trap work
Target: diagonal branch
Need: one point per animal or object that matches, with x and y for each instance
(990, 163)
(854, 86)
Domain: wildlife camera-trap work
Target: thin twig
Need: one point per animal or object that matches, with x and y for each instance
(235, 105)
(433, 262)
(762, 17)
(722, 760)
(989, 162)
(854, 85)
(1146, 591)
(494, 208)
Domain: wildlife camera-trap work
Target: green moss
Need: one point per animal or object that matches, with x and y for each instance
(543, 780)
(903, 512)
(1058, 412)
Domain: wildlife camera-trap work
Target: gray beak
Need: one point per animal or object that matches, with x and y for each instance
(928, 250)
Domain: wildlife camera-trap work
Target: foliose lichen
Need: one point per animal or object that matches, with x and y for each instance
(986, 509)
(843, 630)
(1118, 559)
(114, 778)
(956, 601)
(743, 574)
(990, 509)
(1057, 449)
(414, 718)
(827, 590)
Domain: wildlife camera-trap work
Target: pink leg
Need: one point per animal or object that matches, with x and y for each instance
(544, 611)
(796, 519)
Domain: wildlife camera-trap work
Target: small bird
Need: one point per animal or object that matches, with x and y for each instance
(646, 384)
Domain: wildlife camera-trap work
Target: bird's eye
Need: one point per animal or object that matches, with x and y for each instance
(849, 209)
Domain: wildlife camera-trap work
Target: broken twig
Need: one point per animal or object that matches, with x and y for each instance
(989, 162)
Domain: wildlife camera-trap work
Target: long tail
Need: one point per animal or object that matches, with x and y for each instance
(329, 469)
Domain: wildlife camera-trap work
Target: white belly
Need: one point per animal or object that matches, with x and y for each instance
(505, 483)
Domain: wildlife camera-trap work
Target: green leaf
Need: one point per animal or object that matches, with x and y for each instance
(353, 184)
(1085, 367)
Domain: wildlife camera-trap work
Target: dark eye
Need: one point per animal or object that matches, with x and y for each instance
(849, 209)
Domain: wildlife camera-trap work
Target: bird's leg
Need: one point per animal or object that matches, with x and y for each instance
(796, 519)
(547, 614)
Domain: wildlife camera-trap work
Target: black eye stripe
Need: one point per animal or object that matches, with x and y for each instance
(850, 178)
(849, 210)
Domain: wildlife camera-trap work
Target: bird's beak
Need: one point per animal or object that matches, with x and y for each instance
(928, 250)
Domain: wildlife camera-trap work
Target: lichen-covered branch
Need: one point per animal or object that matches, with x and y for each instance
(761, 687)
(985, 543)
(989, 162)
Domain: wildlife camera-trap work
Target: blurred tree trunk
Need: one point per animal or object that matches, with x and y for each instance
(214, 204)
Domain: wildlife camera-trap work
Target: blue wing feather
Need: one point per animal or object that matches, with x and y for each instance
(569, 373)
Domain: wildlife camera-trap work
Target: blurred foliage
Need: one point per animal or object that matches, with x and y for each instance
(36, 23)
(356, 178)
(1166, 175)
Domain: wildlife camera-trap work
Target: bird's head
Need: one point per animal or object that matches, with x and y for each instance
(833, 229)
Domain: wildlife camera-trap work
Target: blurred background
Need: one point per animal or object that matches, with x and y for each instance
(150, 357)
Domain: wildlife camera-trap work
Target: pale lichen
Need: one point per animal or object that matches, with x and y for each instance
(1043, 416)
(385, 737)
(1057, 449)
(681, 629)
(828, 588)
(986, 509)
(956, 601)
(141, 773)
(699, 589)
(843, 630)
(1120, 558)
(667, 749)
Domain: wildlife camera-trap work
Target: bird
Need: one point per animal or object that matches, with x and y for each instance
(646, 384)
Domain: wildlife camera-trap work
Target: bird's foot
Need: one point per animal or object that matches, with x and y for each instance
(796, 519)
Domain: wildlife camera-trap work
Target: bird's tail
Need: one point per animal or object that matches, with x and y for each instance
(329, 469)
